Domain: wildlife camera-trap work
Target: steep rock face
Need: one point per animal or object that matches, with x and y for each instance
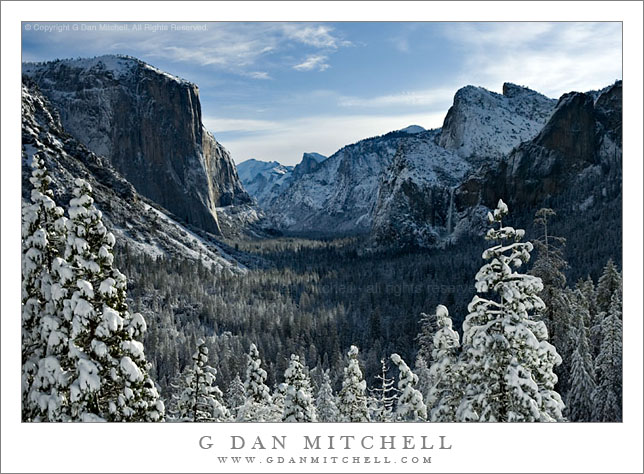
(415, 204)
(339, 196)
(482, 125)
(572, 163)
(148, 125)
(580, 141)
(133, 219)
(309, 164)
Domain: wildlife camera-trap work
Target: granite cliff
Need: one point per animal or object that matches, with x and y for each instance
(147, 124)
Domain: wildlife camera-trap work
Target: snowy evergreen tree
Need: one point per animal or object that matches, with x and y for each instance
(425, 337)
(258, 397)
(588, 297)
(236, 396)
(508, 363)
(609, 282)
(45, 360)
(607, 396)
(352, 398)
(549, 267)
(299, 405)
(410, 405)
(111, 380)
(325, 404)
(384, 395)
(275, 411)
(425, 380)
(446, 392)
(200, 399)
(582, 375)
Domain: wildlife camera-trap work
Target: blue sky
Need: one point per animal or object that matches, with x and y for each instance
(272, 91)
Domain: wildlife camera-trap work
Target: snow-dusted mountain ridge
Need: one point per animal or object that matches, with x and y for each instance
(264, 180)
(483, 125)
(147, 124)
(431, 187)
(136, 221)
(345, 193)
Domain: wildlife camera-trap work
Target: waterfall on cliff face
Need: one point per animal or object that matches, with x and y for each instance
(450, 211)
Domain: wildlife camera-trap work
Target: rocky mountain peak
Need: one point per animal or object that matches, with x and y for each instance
(511, 90)
(482, 126)
(413, 129)
(310, 163)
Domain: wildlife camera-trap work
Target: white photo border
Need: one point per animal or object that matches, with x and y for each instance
(570, 447)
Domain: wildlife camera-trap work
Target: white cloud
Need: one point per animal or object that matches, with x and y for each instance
(226, 125)
(259, 75)
(552, 58)
(313, 61)
(319, 36)
(424, 98)
(238, 48)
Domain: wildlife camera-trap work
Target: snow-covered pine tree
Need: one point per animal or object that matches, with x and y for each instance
(410, 405)
(352, 398)
(586, 295)
(446, 392)
(549, 266)
(44, 356)
(258, 397)
(235, 396)
(425, 381)
(200, 399)
(276, 409)
(609, 282)
(299, 405)
(325, 403)
(111, 380)
(425, 337)
(508, 363)
(384, 395)
(607, 397)
(588, 298)
(579, 402)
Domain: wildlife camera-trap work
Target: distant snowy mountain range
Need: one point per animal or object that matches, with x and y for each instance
(265, 180)
(410, 187)
(414, 187)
